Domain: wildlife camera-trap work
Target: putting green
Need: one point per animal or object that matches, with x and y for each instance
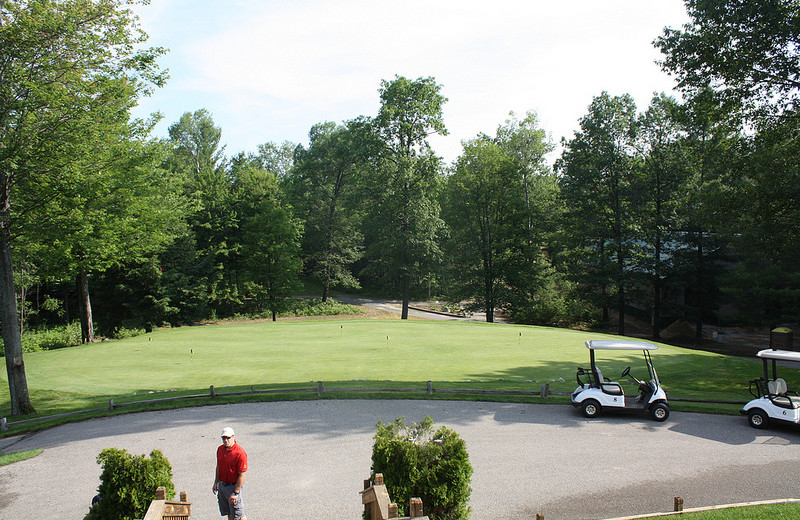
(194, 358)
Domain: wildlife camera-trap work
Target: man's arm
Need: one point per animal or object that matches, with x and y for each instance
(238, 487)
(240, 482)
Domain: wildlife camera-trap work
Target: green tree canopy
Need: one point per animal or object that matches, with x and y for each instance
(403, 220)
(71, 71)
(748, 50)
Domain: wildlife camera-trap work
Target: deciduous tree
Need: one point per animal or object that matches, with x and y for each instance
(69, 70)
(403, 220)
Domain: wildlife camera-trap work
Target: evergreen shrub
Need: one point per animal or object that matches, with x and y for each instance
(128, 484)
(417, 461)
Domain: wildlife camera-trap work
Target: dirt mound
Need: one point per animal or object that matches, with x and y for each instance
(678, 329)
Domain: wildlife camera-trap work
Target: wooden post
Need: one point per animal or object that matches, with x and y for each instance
(545, 390)
(184, 496)
(378, 481)
(161, 493)
(393, 510)
(539, 516)
(110, 404)
(415, 508)
(320, 387)
(3, 424)
(211, 391)
(678, 504)
(430, 388)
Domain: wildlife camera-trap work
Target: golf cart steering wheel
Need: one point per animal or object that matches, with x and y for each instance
(627, 372)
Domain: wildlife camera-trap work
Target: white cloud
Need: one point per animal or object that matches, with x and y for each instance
(269, 70)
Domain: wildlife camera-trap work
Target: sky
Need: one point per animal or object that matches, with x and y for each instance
(268, 70)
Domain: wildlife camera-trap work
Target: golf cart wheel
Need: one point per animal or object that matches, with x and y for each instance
(757, 418)
(591, 408)
(659, 412)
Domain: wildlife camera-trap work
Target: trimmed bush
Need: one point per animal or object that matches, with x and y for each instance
(128, 484)
(417, 461)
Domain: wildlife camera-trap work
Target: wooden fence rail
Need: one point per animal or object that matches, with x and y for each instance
(319, 389)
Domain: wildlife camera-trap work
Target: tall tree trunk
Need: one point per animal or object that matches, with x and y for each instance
(701, 286)
(620, 290)
(487, 288)
(405, 282)
(325, 287)
(657, 311)
(87, 325)
(657, 290)
(9, 322)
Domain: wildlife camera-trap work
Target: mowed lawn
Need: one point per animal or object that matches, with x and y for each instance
(241, 355)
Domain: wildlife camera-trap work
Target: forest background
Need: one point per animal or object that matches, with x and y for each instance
(684, 209)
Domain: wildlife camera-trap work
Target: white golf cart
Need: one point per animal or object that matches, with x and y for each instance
(596, 392)
(772, 399)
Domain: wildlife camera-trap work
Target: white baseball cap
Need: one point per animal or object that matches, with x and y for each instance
(227, 432)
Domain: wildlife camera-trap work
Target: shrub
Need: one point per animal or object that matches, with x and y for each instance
(316, 307)
(51, 338)
(128, 484)
(418, 462)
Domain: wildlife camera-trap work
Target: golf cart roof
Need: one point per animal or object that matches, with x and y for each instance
(784, 355)
(604, 344)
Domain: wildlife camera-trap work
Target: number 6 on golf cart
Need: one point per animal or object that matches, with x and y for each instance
(598, 392)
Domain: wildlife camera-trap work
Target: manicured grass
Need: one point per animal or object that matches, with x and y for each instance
(189, 360)
(10, 458)
(789, 511)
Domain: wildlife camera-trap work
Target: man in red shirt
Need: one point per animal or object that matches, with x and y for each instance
(229, 476)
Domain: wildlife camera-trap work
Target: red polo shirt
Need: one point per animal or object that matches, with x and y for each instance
(230, 463)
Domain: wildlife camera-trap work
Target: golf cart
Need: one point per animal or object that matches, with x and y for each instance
(772, 400)
(596, 392)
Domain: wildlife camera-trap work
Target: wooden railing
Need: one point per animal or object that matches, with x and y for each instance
(379, 505)
(163, 509)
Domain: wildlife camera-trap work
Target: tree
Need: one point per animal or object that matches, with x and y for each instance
(69, 69)
(763, 222)
(485, 213)
(271, 247)
(403, 220)
(529, 145)
(709, 150)
(277, 159)
(536, 292)
(126, 213)
(214, 222)
(598, 168)
(322, 187)
(749, 51)
(736, 52)
(663, 172)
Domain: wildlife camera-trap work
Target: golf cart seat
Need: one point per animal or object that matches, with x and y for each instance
(778, 394)
(607, 386)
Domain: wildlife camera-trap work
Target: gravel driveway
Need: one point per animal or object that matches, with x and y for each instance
(308, 459)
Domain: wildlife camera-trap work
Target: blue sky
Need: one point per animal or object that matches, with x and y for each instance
(268, 70)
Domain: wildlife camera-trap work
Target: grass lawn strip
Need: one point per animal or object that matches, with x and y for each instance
(369, 353)
(10, 458)
(788, 509)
